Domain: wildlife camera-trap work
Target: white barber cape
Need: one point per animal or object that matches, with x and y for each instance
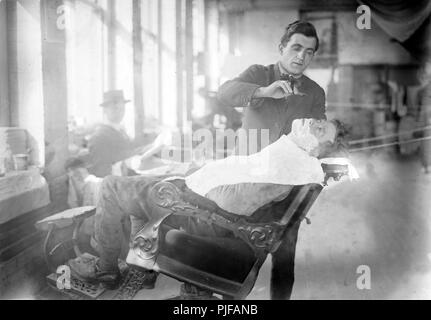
(282, 162)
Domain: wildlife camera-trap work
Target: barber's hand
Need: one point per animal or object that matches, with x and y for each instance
(277, 90)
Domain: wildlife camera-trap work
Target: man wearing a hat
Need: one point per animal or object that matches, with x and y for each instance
(110, 142)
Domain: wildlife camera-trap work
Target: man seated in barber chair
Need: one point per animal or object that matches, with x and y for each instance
(234, 184)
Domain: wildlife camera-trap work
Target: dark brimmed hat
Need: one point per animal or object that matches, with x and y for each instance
(113, 96)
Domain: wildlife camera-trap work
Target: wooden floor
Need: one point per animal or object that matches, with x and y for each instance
(382, 221)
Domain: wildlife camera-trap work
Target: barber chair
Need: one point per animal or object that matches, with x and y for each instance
(226, 263)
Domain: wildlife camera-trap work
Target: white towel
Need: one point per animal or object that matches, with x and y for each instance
(282, 162)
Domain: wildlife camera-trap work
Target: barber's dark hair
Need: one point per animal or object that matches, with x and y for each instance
(340, 147)
(302, 27)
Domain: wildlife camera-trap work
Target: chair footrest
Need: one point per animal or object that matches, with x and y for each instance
(78, 287)
(192, 292)
(66, 218)
(133, 282)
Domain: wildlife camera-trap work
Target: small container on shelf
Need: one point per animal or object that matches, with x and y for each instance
(20, 162)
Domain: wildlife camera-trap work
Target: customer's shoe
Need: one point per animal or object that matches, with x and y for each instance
(86, 269)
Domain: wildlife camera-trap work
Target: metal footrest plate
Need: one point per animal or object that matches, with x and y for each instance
(133, 282)
(82, 288)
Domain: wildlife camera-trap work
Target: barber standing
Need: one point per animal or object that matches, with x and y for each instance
(273, 96)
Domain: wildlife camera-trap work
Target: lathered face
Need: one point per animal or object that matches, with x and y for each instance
(309, 134)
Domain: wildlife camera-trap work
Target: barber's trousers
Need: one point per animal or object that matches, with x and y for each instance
(124, 197)
(283, 265)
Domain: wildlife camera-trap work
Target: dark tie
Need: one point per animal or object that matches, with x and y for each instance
(292, 81)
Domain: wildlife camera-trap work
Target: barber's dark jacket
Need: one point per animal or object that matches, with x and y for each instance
(276, 115)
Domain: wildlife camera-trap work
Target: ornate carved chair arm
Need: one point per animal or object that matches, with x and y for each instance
(163, 200)
(259, 236)
(263, 237)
